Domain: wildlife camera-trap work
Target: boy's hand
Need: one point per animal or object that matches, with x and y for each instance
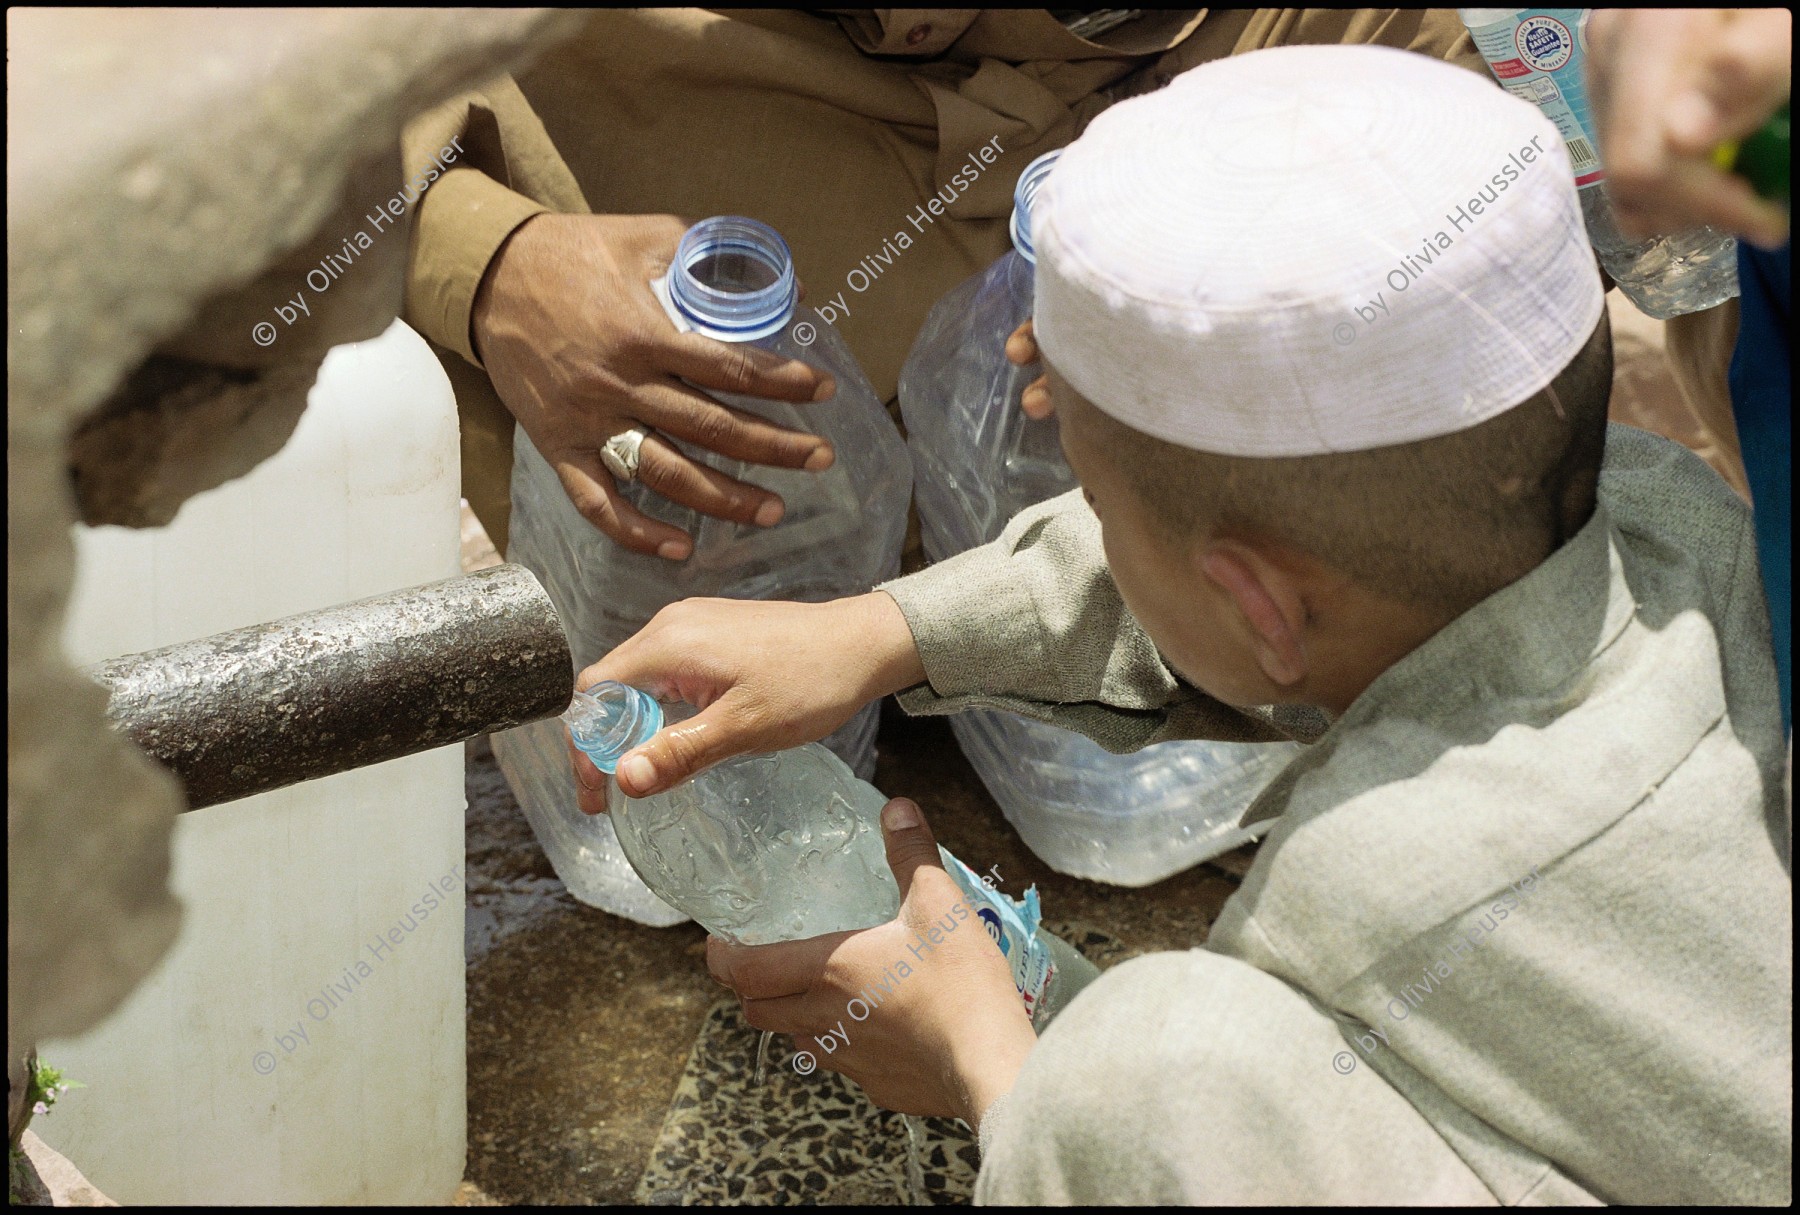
(1668, 86)
(765, 676)
(946, 1039)
(1022, 349)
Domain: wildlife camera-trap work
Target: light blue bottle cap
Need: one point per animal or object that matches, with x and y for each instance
(610, 719)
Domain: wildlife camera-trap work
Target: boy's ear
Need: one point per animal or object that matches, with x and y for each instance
(1270, 601)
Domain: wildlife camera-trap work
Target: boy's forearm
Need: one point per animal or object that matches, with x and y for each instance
(1033, 615)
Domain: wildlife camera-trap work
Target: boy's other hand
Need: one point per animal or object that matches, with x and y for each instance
(765, 677)
(1669, 86)
(1022, 349)
(946, 1039)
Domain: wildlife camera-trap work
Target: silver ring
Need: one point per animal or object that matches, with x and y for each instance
(622, 452)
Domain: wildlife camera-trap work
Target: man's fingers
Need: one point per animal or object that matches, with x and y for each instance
(590, 488)
(1693, 192)
(693, 416)
(1035, 400)
(769, 972)
(909, 841)
(746, 370)
(664, 469)
(1021, 344)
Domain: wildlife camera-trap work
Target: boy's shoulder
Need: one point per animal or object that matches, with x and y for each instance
(1538, 721)
(1661, 494)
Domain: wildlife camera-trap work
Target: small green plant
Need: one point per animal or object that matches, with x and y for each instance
(44, 1086)
(47, 1084)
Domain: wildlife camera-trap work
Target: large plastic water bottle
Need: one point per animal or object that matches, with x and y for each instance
(788, 845)
(977, 461)
(1539, 55)
(732, 279)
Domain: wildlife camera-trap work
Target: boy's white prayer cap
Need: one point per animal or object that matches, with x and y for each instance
(1263, 258)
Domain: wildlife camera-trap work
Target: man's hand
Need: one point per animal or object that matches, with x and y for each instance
(765, 676)
(947, 1039)
(579, 350)
(1669, 85)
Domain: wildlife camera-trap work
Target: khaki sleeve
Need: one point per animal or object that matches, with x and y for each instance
(1033, 624)
(508, 172)
(1436, 32)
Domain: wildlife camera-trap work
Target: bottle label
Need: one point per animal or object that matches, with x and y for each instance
(1012, 924)
(1537, 55)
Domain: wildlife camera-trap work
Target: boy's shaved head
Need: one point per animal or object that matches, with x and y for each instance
(1441, 523)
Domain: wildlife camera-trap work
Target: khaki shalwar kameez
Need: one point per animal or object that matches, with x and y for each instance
(1597, 744)
(834, 129)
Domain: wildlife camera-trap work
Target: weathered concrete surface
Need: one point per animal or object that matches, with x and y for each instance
(171, 176)
(45, 1178)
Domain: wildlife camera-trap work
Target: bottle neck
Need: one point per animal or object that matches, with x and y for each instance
(1023, 195)
(733, 279)
(610, 719)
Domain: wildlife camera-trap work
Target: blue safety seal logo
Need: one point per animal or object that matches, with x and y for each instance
(1544, 43)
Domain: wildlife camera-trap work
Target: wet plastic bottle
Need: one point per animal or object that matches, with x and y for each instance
(788, 845)
(732, 279)
(977, 461)
(1539, 55)
(759, 848)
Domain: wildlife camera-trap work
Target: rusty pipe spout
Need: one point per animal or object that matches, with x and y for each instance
(307, 696)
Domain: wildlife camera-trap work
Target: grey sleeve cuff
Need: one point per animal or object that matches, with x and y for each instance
(990, 1119)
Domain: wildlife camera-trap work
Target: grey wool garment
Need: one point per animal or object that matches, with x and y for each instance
(1522, 931)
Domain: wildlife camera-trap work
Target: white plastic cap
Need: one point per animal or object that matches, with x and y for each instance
(1313, 249)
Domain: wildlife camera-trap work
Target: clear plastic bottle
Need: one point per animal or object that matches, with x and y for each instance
(732, 279)
(788, 845)
(760, 848)
(1539, 55)
(977, 461)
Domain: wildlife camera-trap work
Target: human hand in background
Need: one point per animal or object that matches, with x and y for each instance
(1022, 350)
(579, 350)
(765, 676)
(1669, 85)
(946, 1035)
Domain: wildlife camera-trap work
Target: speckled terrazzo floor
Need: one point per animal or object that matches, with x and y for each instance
(803, 1138)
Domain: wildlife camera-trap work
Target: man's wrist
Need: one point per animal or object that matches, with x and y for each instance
(483, 301)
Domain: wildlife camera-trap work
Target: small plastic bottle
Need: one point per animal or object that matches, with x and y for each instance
(977, 459)
(759, 848)
(788, 845)
(1539, 55)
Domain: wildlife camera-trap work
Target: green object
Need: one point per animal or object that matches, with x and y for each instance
(1762, 157)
